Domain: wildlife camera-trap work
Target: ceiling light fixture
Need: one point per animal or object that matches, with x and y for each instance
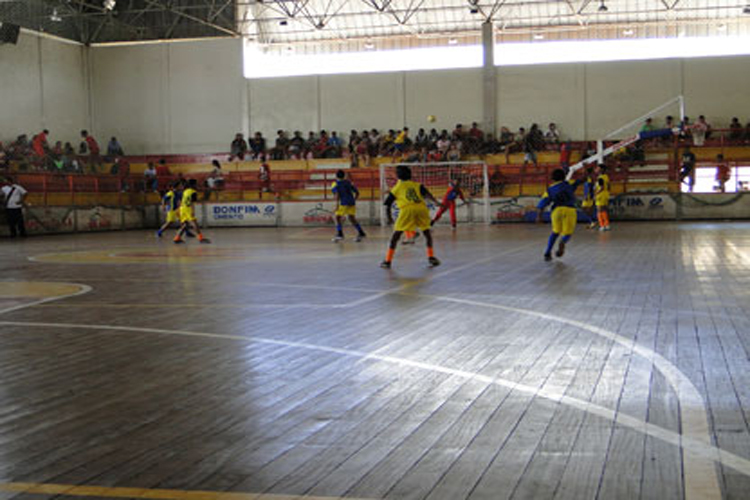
(55, 16)
(109, 4)
(602, 7)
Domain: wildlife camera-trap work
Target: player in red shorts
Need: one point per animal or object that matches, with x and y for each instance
(449, 202)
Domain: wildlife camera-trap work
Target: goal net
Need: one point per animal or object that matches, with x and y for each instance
(471, 176)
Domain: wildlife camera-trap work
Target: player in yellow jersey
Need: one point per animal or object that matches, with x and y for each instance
(187, 213)
(413, 213)
(602, 198)
(171, 205)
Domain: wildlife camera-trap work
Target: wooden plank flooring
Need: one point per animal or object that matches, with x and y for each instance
(275, 364)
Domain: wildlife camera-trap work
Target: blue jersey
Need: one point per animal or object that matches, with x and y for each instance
(347, 192)
(171, 201)
(588, 188)
(560, 194)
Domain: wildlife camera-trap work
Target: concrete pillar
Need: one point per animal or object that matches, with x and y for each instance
(489, 88)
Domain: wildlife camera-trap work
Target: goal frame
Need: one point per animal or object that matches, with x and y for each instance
(384, 189)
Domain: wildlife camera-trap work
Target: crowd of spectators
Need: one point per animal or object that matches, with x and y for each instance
(360, 146)
(39, 154)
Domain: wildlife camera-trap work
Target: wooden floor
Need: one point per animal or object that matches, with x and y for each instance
(275, 364)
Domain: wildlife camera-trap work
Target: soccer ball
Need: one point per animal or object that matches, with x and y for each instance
(431, 118)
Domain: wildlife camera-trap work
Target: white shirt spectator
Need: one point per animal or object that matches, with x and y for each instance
(13, 195)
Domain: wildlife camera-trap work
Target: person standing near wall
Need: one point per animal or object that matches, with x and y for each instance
(722, 172)
(13, 198)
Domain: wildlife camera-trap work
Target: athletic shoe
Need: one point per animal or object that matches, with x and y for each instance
(592, 225)
(560, 249)
(204, 240)
(434, 262)
(385, 264)
(360, 237)
(607, 228)
(158, 234)
(602, 229)
(189, 234)
(453, 227)
(336, 239)
(547, 257)
(177, 241)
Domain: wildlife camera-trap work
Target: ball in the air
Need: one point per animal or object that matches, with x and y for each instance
(431, 118)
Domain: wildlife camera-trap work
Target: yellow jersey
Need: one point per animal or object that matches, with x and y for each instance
(408, 194)
(605, 187)
(187, 197)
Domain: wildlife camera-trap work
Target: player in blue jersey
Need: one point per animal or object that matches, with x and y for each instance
(589, 190)
(346, 205)
(561, 195)
(170, 204)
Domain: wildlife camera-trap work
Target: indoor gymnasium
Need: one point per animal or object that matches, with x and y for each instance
(374, 249)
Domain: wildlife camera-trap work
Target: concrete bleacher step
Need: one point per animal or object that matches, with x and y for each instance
(648, 168)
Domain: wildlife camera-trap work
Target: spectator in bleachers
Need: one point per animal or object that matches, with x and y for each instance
(516, 145)
(238, 149)
(506, 137)
(258, 146)
(703, 122)
(552, 136)
(476, 132)
(648, 125)
(264, 176)
(150, 181)
(296, 146)
(335, 145)
(280, 150)
(434, 136)
(458, 131)
(114, 149)
(310, 144)
(421, 140)
(735, 130)
(533, 142)
(121, 168)
(669, 122)
(39, 144)
(454, 153)
(399, 143)
(747, 132)
(443, 143)
(699, 130)
(91, 147)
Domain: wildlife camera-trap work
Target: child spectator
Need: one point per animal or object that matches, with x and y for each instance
(238, 148)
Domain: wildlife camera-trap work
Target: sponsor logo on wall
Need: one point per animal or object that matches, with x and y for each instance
(238, 214)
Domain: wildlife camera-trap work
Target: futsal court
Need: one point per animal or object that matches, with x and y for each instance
(274, 364)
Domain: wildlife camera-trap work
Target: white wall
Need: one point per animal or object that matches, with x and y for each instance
(185, 97)
(191, 97)
(587, 100)
(43, 84)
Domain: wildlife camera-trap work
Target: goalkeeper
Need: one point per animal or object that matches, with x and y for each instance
(449, 202)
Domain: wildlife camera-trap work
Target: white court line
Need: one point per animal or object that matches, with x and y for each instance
(83, 289)
(695, 448)
(701, 480)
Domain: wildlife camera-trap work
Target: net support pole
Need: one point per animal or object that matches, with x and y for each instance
(489, 79)
(486, 193)
(381, 198)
